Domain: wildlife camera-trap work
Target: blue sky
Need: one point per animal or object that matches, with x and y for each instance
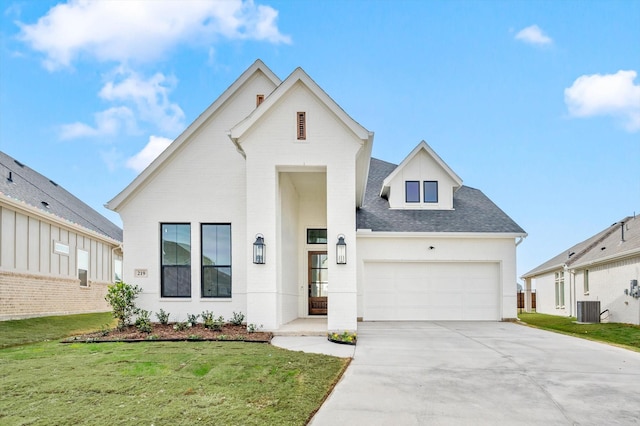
(536, 103)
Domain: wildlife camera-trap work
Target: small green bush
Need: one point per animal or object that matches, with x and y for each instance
(237, 318)
(121, 296)
(207, 319)
(143, 322)
(163, 317)
(192, 320)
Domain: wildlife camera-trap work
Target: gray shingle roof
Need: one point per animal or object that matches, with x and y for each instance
(473, 211)
(32, 188)
(612, 245)
(606, 244)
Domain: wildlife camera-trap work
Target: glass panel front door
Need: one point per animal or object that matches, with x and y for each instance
(318, 282)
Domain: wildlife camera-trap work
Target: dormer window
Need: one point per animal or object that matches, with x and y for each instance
(412, 191)
(259, 99)
(430, 191)
(302, 126)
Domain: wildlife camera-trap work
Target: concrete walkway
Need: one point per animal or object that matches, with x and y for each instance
(482, 373)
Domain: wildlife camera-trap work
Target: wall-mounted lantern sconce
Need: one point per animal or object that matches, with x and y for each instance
(341, 251)
(259, 250)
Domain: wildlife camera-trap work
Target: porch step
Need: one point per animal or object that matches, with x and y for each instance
(299, 333)
(303, 327)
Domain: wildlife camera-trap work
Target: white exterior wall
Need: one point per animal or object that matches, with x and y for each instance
(394, 248)
(546, 294)
(422, 168)
(288, 266)
(607, 283)
(271, 147)
(204, 182)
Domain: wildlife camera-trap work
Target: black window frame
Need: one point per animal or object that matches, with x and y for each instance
(204, 268)
(406, 191)
(180, 270)
(424, 191)
(317, 229)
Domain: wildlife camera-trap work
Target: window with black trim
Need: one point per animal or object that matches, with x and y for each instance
(176, 259)
(430, 191)
(316, 236)
(302, 125)
(216, 260)
(412, 191)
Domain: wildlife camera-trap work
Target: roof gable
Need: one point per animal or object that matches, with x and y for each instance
(257, 67)
(299, 76)
(421, 147)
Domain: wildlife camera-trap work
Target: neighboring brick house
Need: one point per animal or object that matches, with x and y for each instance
(602, 268)
(57, 254)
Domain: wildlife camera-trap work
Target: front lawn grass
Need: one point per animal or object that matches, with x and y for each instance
(20, 332)
(626, 335)
(161, 383)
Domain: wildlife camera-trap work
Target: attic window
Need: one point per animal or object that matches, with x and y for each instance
(302, 126)
(259, 99)
(430, 191)
(412, 191)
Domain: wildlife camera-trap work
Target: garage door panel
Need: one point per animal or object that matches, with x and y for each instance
(431, 291)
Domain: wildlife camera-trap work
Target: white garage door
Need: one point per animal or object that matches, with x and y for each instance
(431, 291)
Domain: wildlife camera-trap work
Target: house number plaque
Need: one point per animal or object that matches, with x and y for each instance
(140, 273)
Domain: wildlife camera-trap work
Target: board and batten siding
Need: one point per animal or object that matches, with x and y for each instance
(37, 280)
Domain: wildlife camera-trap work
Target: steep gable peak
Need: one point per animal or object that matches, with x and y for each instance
(421, 167)
(258, 67)
(298, 76)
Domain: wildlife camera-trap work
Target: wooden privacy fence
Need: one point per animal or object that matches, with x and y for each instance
(521, 299)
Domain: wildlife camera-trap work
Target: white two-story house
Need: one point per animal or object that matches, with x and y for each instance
(270, 204)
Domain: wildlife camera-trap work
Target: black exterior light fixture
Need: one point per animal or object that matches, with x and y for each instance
(341, 251)
(259, 250)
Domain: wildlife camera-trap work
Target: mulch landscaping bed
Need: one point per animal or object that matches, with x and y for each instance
(167, 333)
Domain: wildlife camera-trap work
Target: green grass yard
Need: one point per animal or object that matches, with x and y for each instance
(160, 383)
(625, 335)
(20, 332)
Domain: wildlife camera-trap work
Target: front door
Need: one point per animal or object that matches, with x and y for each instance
(318, 274)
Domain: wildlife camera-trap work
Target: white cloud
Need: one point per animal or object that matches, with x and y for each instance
(611, 94)
(533, 35)
(107, 123)
(143, 30)
(150, 98)
(154, 147)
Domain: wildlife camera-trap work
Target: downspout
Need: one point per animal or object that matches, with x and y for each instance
(520, 239)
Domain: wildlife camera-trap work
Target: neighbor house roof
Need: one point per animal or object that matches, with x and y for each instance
(603, 246)
(472, 211)
(22, 185)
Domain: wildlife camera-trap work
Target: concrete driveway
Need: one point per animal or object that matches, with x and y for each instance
(482, 373)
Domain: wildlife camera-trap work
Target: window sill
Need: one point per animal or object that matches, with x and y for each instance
(216, 299)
